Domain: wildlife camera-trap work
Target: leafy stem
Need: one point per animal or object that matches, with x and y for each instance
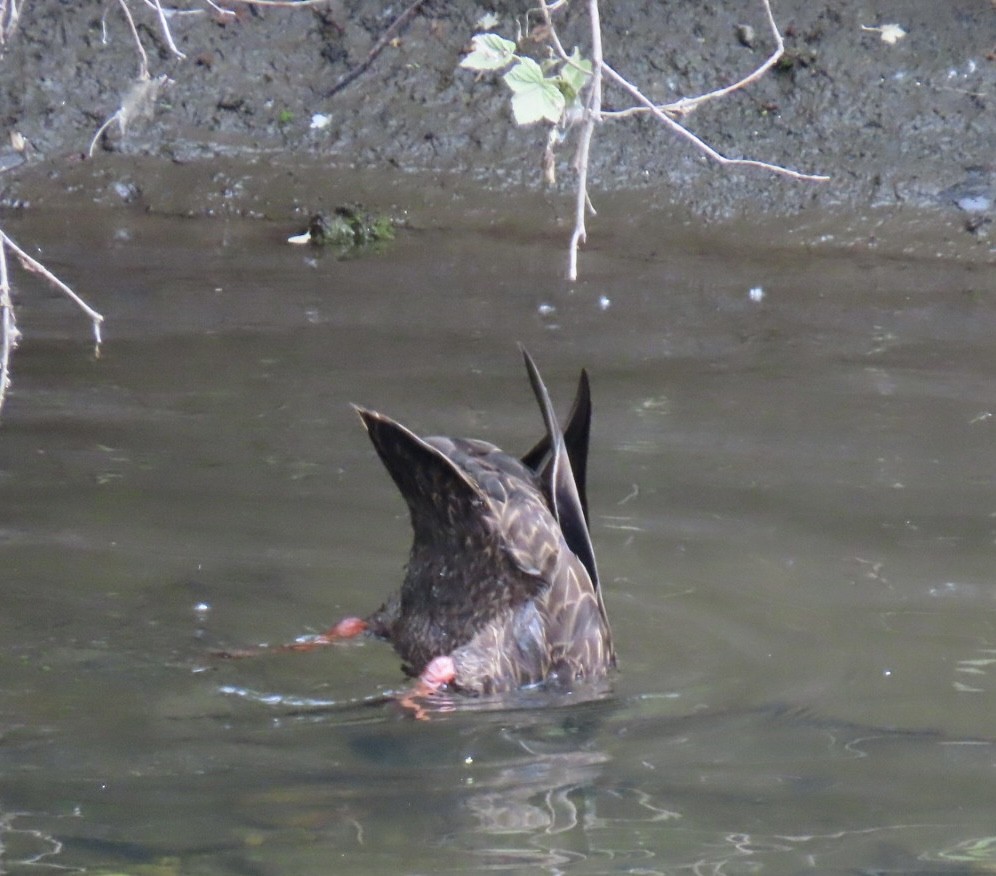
(540, 90)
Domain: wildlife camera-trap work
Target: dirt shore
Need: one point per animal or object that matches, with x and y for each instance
(908, 123)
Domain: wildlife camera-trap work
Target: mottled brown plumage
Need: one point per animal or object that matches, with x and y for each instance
(501, 576)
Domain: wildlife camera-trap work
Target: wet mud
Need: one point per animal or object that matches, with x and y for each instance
(895, 125)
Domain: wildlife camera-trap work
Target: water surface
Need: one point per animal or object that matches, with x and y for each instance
(794, 511)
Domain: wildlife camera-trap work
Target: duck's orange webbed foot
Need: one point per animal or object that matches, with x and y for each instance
(439, 672)
(347, 628)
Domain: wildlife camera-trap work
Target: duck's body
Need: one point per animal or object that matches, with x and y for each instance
(501, 586)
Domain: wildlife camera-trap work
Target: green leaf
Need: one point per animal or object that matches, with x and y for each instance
(534, 97)
(489, 52)
(576, 74)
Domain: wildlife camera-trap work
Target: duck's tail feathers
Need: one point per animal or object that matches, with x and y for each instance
(560, 481)
(576, 439)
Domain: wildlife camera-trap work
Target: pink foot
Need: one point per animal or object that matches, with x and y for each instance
(440, 671)
(347, 628)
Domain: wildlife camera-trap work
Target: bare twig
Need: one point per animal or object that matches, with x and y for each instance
(288, 4)
(701, 144)
(167, 33)
(9, 334)
(378, 47)
(9, 14)
(141, 97)
(139, 102)
(155, 6)
(593, 114)
(172, 11)
(219, 10)
(143, 64)
(547, 10)
(36, 267)
(687, 104)
(668, 114)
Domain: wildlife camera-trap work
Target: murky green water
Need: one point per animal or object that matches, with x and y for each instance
(794, 510)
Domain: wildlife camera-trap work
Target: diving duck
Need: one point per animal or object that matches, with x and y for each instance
(501, 588)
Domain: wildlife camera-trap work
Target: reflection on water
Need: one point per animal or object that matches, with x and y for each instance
(793, 508)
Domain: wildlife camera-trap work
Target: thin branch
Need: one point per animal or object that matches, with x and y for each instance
(219, 10)
(36, 267)
(687, 104)
(139, 102)
(9, 334)
(9, 13)
(700, 144)
(143, 67)
(666, 113)
(167, 33)
(547, 11)
(163, 16)
(684, 106)
(173, 11)
(593, 114)
(289, 4)
(114, 117)
(378, 47)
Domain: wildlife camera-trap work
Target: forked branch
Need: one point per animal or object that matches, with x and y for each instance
(669, 114)
(9, 334)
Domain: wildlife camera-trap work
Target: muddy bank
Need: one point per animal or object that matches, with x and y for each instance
(907, 124)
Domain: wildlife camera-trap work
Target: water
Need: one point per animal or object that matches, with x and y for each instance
(794, 512)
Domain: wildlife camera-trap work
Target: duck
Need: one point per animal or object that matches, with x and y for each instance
(501, 590)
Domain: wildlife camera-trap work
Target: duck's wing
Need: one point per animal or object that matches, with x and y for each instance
(439, 494)
(576, 438)
(559, 480)
(484, 538)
